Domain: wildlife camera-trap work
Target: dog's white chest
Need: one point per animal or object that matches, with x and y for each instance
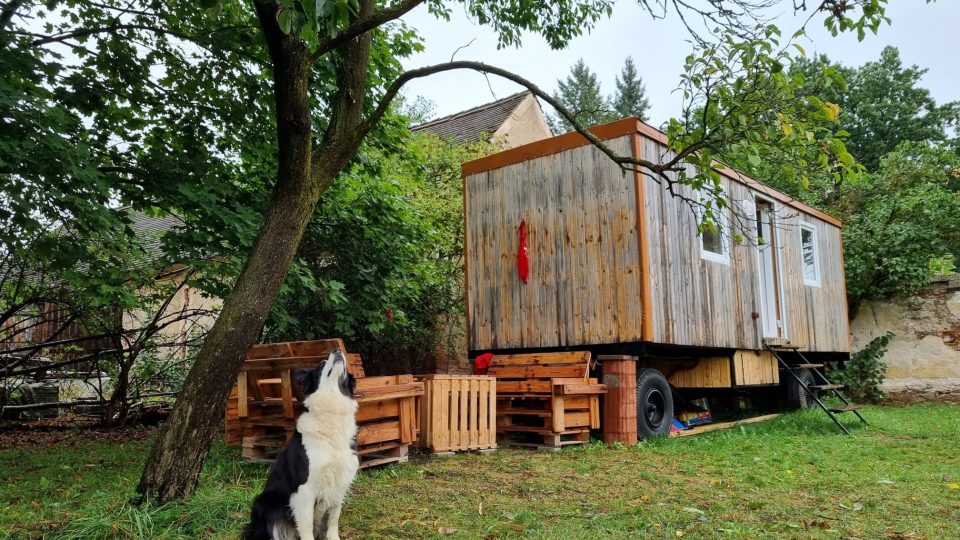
(331, 469)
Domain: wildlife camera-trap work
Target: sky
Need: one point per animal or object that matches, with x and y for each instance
(926, 35)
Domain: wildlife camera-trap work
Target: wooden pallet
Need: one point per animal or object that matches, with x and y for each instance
(458, 413)
(544, 441)
(264, 404)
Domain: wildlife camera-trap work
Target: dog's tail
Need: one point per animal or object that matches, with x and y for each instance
(268, 514)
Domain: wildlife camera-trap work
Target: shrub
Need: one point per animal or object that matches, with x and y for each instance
(865, 371)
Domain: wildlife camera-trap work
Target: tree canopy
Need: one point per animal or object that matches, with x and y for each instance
(882, 104)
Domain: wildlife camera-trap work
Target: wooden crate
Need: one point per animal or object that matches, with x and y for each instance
(457, 413)
(264, 404)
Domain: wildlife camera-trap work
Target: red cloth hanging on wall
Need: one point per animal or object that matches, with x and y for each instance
(523, 259)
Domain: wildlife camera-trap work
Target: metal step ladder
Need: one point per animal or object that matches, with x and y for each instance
(780, 348)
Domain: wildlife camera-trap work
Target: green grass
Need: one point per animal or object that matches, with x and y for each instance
(793, 477)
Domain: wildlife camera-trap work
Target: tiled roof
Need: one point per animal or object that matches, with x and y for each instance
(150, 229)
(471, 124)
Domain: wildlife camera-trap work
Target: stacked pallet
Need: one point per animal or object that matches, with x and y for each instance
(264, 404)
(547, 400)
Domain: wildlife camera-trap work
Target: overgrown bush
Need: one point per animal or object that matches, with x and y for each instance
(865, 371)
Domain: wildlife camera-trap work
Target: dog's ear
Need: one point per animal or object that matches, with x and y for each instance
(304, 377)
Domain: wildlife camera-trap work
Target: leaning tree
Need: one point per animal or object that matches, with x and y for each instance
(185, 94)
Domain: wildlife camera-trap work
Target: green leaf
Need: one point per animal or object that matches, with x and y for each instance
(286, 20)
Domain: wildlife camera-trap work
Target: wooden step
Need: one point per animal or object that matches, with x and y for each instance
(785, 347)
(806, 366)
(845, 408)
(826, 386)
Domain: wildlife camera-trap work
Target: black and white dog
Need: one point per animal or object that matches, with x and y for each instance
(311, 477)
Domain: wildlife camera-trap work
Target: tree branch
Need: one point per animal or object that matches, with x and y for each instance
(364, 24)
(627, 163)
(8, 10)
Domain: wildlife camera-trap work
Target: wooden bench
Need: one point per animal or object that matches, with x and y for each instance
(265, 402)
(549, 396)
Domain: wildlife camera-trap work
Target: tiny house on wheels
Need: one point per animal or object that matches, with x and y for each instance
(567, 251)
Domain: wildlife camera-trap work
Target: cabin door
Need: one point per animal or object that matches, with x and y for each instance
(771, 305)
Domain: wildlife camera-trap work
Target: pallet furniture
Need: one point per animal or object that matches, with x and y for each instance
(548, 397)
(264, 404)
(458, 413)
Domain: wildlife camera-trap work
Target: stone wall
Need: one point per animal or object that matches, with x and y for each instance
(924, 356)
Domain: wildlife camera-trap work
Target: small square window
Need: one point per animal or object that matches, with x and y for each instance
(810, 254)
(713, 242)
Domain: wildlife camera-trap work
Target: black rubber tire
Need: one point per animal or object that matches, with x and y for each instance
(797, 397)
(654, 404)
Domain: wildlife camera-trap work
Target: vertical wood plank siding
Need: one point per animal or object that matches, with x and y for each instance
(584, 284)
(816, 316)
(702, 303)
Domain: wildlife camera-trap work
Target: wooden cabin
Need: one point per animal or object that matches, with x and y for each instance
(618, 266)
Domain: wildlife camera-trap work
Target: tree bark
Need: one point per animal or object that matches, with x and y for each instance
(173, 467)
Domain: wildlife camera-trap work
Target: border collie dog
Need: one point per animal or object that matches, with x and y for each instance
(311, 477)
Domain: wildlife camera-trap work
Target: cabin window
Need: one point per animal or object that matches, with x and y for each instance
(713, 241)
(810, 252)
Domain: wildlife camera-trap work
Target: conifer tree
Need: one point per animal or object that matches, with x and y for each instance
(580, 94)
(630, 98)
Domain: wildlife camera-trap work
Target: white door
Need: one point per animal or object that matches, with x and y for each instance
(771, 306)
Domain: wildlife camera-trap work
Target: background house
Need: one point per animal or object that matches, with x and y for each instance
(511, 121)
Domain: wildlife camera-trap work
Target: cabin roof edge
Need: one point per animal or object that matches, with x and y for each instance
(613, 130)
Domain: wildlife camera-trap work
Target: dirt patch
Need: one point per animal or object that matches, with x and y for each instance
(52, 431)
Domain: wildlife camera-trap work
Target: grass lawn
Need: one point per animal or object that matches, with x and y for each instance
(793, 477)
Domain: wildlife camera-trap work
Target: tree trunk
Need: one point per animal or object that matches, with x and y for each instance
(173, 468)
(117, 408)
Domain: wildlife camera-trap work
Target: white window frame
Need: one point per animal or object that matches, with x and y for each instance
(722, 225)
(812, 229)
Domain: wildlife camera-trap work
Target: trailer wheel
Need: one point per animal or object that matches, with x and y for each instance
(654, 404)
(797, 397)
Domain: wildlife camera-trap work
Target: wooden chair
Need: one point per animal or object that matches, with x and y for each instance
(547, 395)
(265, 402)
